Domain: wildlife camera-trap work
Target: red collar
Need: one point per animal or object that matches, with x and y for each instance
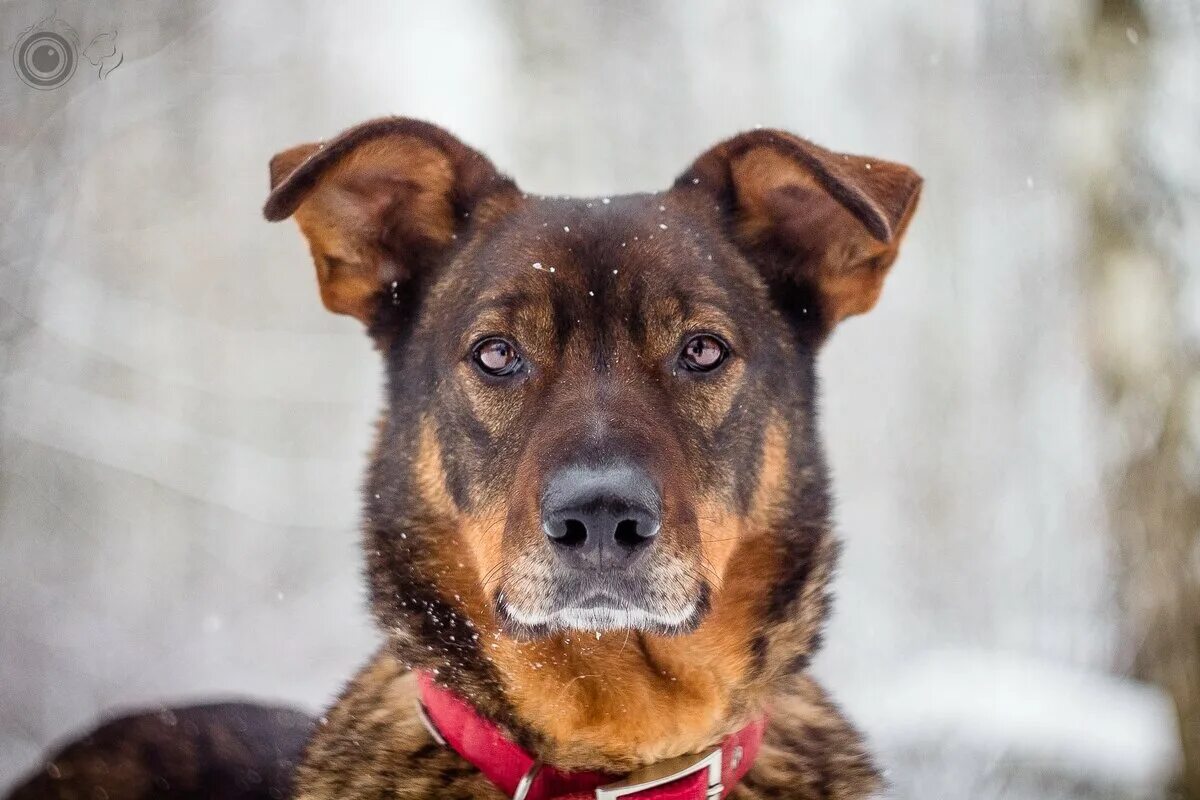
(707, 776)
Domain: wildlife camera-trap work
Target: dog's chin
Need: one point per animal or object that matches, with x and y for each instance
(599, 615)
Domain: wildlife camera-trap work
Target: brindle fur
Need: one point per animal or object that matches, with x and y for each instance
(372, 745)
(222, 751)
(767, 240)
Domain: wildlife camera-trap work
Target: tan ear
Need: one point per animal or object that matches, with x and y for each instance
(380, 203)
(822, 227)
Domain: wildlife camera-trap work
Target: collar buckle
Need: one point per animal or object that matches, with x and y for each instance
(423, 715)
(526, 782)
(669, 771)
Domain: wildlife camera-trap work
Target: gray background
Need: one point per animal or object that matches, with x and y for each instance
(1015, 430)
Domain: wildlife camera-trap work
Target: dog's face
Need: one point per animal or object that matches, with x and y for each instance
(593, 402)
(600, 373)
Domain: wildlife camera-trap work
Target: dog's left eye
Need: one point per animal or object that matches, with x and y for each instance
(497, 356)
(703, 353)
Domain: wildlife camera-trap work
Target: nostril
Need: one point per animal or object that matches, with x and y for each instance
(574, 533)
(629, 535)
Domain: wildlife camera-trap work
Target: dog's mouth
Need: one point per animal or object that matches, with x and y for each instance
(586, 607)
(601, 613)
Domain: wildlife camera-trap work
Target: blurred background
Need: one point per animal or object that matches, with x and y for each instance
(1015, 430)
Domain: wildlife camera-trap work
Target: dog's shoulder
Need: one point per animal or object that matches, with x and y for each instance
(810, 750)
(373, 744)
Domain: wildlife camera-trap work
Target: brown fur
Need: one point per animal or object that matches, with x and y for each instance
(766, 242)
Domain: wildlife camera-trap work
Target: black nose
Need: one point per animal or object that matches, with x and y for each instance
(601, 517)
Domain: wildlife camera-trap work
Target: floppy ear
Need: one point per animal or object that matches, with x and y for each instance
(823, 228)
(380, 203)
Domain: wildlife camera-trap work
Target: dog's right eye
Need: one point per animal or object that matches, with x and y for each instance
(497, 357)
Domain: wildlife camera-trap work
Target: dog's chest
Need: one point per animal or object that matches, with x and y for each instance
(374, 745)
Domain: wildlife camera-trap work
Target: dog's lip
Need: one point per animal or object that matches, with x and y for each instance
(601, 609)
(599, 600)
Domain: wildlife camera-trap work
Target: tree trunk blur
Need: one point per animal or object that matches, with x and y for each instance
(1141, 173)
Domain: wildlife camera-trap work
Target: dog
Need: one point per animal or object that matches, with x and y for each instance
(597, 517)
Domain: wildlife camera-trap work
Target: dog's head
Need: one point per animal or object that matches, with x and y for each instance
(593, 403)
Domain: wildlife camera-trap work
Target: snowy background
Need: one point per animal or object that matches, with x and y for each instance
(1015, 430)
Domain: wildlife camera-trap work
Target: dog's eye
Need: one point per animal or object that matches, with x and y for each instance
(497, 356)
(703, 353)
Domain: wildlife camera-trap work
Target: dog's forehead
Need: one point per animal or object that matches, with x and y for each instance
(602, 248)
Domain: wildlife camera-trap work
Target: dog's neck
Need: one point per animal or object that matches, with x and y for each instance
(620, 699)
